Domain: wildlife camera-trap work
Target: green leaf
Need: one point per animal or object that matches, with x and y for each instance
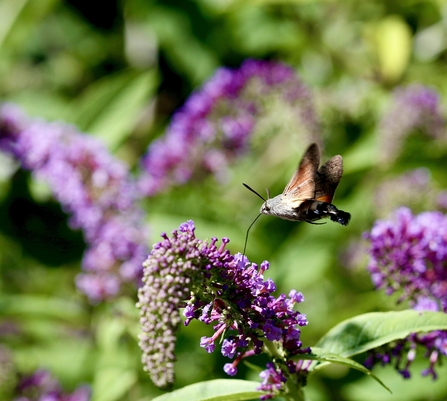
(112, 383)
(19, 17)
(319, 354)
(109, 108)
(186, 53)
(215, 390)
(361, 156)
(32, 306)
(371, 330)
(220, 7)
(417, 388)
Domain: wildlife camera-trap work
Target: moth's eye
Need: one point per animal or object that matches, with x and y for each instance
(266, 207)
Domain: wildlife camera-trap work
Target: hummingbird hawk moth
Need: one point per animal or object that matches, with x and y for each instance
(308, 195)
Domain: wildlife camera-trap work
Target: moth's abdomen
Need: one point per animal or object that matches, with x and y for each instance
(341, 217)
(316, 210)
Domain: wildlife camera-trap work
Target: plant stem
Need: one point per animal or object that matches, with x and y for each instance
(294, 392)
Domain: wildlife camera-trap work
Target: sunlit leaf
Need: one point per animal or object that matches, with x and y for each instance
(109, 108)
(19, 17)
(321, 355)
(215, 390)
(361, 156)
(27, 305)
(371, 330)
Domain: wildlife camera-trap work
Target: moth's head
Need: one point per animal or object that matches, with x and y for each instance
(266, 207)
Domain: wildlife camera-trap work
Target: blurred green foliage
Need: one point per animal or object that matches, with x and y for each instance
(118, 70)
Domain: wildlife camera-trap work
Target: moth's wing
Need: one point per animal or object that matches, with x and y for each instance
(327, 179)
(302, 184)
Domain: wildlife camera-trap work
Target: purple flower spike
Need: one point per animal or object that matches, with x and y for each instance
(408, 255)
(215, 287)
(93, 187)
(215, 124)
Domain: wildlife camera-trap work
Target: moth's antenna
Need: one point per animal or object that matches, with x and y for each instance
(246, 235)
(252, 190)
(268, 193)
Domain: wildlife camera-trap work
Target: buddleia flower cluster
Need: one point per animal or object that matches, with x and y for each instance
(408, 256)
(215, 124)
(93, 187)
(218, 288)
(413, 108)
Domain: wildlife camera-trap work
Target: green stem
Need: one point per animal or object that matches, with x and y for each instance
(273, 351)
(294, 392)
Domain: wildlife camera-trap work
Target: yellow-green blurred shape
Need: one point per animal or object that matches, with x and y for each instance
(391, 42)
(19, 17)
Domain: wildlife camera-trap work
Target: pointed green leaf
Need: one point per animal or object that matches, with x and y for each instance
(362, 155)
(319, 354)
(215, 390)
(18, 18)
(31, 306)
(371, 330)
(109, 108)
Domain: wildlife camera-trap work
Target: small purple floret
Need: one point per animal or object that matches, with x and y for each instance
(208, 344)
(229, 369)
(229, 348)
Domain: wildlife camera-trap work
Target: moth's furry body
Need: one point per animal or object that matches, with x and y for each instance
(309, 211)
(308, 195)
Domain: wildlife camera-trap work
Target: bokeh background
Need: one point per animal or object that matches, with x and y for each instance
(118, 70)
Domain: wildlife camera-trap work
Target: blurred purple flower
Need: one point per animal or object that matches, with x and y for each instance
(215, 124)
(413, 189)
(409, 254)
(441, 201)
(41, 386)
(414, 107)
(216, 287)
(93, 187)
